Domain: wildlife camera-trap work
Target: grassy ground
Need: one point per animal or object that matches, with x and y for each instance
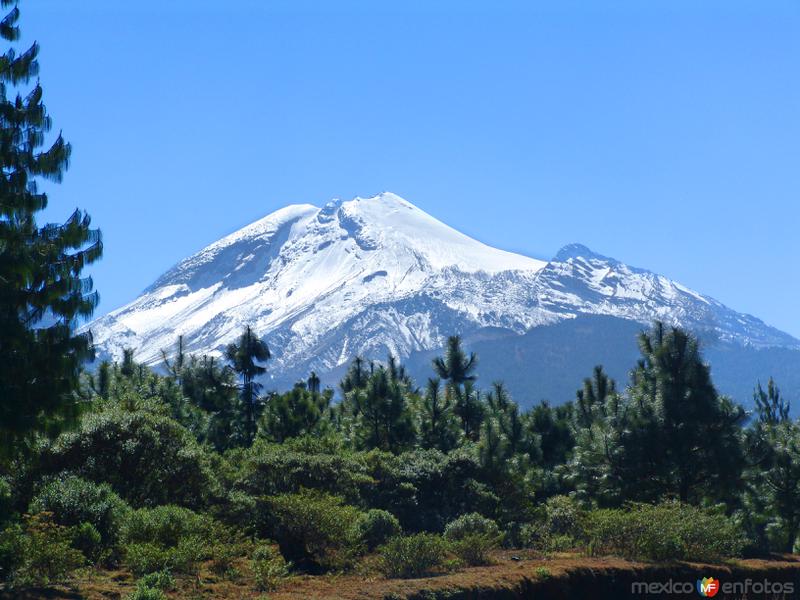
(514, 574)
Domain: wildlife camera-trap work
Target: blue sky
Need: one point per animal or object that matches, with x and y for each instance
(665, 134)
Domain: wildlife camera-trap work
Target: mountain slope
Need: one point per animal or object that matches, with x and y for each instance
(377, 275)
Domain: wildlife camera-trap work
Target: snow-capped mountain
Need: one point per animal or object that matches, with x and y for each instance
(373, 276)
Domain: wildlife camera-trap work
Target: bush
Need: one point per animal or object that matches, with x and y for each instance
(147, 459)
(413, 555)
(561, 526)
(47, 555)
(470, 524)
(271, 469)
(160, 580)
(74, 501)
(472, 537)
(224, 552)
(87, 540)
(146, 593)
(269, 567)
(6, 502)
(146, 558)
(167, 537)
(11, 549)
(563, 517)
(164, 525)
(376, 526)
(315, 529)
(667, 531)
(426, 489)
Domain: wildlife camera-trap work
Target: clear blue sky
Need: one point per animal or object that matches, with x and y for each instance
(665, 134)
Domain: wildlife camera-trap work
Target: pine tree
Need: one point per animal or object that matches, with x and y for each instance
(297, 412)
(211, 387)
(553, 427)
(42, 293)
(469, 407)
(673, 436)
(691, 436)
(771, 407)
(457, 369)
(455, 366)
(382, 414)
(176, 366)
(356, 376)
(313, 383)
(596, 390)
(244, 356)
(437, 426)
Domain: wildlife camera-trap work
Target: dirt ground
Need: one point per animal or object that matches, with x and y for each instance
(514, 575)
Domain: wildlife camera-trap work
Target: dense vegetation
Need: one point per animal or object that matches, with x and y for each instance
(197, 465)
(162, 473)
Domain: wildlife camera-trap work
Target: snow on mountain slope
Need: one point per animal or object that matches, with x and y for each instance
(376, 275)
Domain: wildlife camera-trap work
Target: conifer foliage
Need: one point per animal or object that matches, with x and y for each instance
(42, 291)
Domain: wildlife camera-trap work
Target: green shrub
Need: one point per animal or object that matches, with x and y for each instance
(160, 580)
(269, 567)
(147, 459)
(563, 516)
(239, 510)
(376, 526)
(223, 555)
(560, 527)
(164, 525)
(472, 537)
(74, 501)
(667, 531)
(271, 469)
(11, 549)
(88, 541)
(152, 586)
(146, 593)
(145, 558)
(46, 551)
(168, 537)
(426, 489)
(6, 502)
(413, 555)
(315, 529)
(475, 549)
(470, 524)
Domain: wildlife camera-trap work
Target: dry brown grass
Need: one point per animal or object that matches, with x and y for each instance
(515, 574)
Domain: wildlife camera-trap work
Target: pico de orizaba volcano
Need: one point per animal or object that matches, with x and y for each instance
(378, 276)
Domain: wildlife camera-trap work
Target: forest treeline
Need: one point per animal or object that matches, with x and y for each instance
(199, 465)
(199, 470)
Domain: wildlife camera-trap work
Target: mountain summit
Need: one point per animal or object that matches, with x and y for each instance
(372, 276)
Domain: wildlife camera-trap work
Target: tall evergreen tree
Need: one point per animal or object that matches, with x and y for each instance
(693, 443)
(596, 390)
(771, 406)
(357, 374)
(244, 356)
(455, 366)
(313, 383)
(458, 370)
(553, 427)
(469, 407)
(673, 436)
(297, 412)
(178, 363)
(42, 292)
(437, 425)
(383, 417)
